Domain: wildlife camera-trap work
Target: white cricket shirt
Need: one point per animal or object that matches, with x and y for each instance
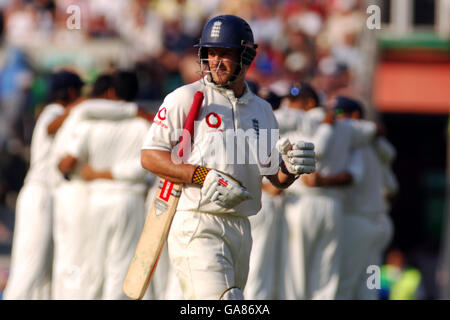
(221, 118)
(41, 168)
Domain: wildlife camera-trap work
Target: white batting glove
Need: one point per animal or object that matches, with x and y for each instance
(223, 190)
(299, 157)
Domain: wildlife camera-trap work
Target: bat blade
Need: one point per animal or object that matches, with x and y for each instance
(152, 239)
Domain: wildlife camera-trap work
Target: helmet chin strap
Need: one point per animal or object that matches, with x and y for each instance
(236, 75)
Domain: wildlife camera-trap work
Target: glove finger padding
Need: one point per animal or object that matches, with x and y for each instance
(302, 161)
(304, 169)
(223, 190)
(300, 158)
(208, 190)
(303, 145)
(301, 154)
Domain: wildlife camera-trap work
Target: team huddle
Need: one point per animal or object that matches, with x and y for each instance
(302, 220)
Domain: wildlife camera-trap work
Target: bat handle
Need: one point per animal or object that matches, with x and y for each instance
(188, 131)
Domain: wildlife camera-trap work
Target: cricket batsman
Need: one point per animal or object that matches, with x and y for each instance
(210, 238)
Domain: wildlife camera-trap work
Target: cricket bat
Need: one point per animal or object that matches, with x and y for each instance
(159, 219)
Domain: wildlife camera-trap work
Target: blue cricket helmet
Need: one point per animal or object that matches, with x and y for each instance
(228, 31)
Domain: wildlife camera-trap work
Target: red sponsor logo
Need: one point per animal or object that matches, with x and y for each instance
(160, 123)
(162, 114)
(213, 120)
(166, 190)
(223, 182)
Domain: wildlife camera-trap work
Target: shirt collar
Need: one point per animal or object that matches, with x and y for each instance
(243, 100)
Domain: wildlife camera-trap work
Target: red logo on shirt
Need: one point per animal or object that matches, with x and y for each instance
(213, 120)
(162, 114)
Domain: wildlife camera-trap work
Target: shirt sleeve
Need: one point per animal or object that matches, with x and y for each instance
(363, 132)
(321, 139)
(390, 182)
(385, 150)
(76, 145)
(131, 171)
(108, 111)
(49, 114)
(167, 125)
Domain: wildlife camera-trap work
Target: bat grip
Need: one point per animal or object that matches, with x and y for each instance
(188, 130)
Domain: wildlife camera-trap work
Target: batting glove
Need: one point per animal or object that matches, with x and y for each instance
(298, 158)
(223, 190)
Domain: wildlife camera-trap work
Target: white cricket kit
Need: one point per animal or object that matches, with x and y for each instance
(289, 119)
(386, 154)
(71, 199)
(363, 223)
(314, 216)
(30, 269)
(115, 208)
(265, 257)
(210, 245)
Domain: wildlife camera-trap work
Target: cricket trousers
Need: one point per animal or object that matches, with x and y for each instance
(32, 248)
(210, 254)
(70, 247)
(265, 255)
(384, 231)
(314, 247)
(115, 218)
(359, 239)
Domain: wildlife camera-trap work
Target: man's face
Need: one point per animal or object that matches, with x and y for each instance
(222, 63)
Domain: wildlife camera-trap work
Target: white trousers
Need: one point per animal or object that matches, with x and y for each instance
(265, 256)
(32, 247)
(384, 233)
(115, 220)
(314, 246)
(70, 231)
(359, 239)
(210, 254)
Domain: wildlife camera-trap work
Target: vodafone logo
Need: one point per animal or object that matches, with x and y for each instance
(162, 114)
(213, 120)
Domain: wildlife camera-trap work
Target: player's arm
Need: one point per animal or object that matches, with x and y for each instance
(162, 138)
(271, 189)
(88, 173)
(113, 111)
(73, 150)
(130, 171)
(54, 126)
(353, 174)
(216, 186)
(160, 163)
(317, 180)
(282, 180)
